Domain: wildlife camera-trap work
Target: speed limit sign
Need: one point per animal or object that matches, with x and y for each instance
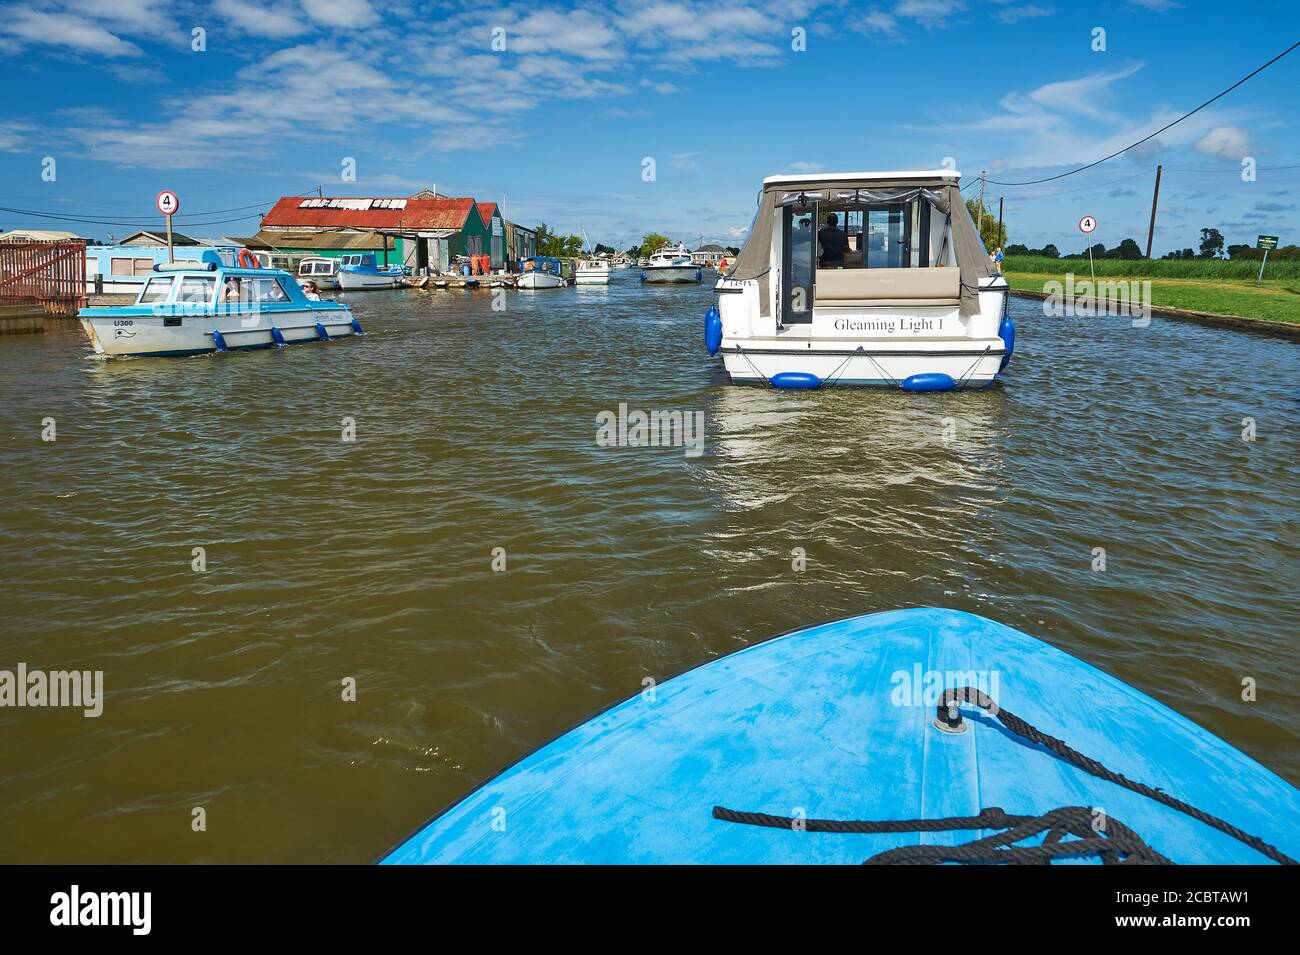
(1087, 224)
(167, 202)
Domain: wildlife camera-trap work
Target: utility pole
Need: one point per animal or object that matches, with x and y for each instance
(998, 240)
(1155, 198)
(979, 226)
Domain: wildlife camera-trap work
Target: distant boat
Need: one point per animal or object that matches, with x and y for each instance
(321, 271)
(540, 271)
(188, 309)
(357, 272)
(592, 272)
(671, 265)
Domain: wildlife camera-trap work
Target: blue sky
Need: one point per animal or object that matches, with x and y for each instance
(556, 126)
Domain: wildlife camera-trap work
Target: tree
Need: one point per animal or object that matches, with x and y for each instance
(607, 249)
(1211, 243)
(990, 234)
(651, 244)
(732, 250)
(1051, 251)
(1127, 249)
(557, 246)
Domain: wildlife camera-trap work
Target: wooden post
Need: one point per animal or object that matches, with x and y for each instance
(1151, 233)
(170, 259)
(999, 236)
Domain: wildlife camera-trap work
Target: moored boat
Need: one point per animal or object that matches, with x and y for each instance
(592, 272)
(184, 310)
(912, 736)
(862, 279)
(322, 271)
(541, 271)
(359, 271)
(671, 265)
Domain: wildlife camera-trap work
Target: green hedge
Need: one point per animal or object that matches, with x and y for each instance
(1153, 268)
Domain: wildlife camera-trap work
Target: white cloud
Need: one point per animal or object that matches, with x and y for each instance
(1028, 11)
(277, 21)
(340, 13)
(1083, 95)
(63, 29)
(804, 167)
(1226, 142)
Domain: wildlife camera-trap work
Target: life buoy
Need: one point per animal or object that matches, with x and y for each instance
(249, 263)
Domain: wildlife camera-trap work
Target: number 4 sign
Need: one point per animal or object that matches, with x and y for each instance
(167, 202)
(1087, 225)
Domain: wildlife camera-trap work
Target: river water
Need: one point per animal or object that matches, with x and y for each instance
(372, 560)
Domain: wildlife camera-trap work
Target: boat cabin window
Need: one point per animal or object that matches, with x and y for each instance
(196, 290)
(269, 291)
(859, 235)
(157, 289)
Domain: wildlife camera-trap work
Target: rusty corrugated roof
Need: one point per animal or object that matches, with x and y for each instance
(485, 210)
(418, 215)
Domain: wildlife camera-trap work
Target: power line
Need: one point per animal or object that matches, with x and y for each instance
(1034, 182)
(189, 220)
(133, 223)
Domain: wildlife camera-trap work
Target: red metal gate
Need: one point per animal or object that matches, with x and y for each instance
(49, 274)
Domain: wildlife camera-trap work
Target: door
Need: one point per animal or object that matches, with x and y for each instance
(889, 237)
(799, 245)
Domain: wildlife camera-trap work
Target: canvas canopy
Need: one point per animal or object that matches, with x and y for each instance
(754, 261)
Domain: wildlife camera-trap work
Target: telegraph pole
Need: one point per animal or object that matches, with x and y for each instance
(979, 227)
(998, 239)
(1155, 198)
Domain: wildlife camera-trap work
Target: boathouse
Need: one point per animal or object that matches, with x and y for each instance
(422, 233)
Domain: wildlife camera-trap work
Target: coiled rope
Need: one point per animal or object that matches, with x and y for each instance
(1113, 841)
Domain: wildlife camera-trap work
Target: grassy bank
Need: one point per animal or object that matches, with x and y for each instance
(1219, 288)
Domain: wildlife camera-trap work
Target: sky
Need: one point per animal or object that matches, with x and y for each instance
(623, 118)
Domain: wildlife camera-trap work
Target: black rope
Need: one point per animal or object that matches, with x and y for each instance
(1114, 842)
(970, 694)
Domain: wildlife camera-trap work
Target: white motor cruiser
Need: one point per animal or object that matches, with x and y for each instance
(671, 265)
(592, 272)
(862, 279)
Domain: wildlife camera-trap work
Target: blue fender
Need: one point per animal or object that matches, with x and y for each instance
(277, 336)
(1007, 332)
(219, 340)
(712, 330)
(356, 328)
(321, 333)
(929, 381)
(796, 380)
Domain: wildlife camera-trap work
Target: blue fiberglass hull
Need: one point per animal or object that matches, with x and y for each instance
(827, 721)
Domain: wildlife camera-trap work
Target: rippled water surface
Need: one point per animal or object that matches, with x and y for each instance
(476, 430)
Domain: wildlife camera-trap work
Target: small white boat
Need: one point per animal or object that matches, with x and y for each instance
(188, 310)
(356, 272)
(592, 272)
(862, 279)
(321, 271)
(540, 271)
(671, 265)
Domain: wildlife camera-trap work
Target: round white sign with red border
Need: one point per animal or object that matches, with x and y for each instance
(1087, 224)
(167, 202)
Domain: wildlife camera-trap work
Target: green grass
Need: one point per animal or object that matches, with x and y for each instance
(1212, 269)
(1276, 299)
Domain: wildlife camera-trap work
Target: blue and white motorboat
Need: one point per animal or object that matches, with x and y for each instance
(913, 736)
(187, 310)
(359, 271)
(541, 271)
